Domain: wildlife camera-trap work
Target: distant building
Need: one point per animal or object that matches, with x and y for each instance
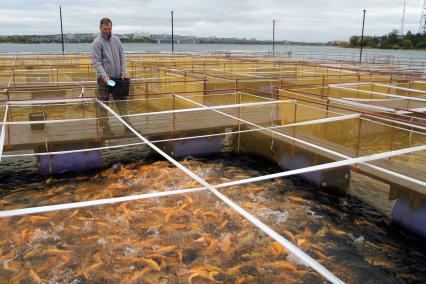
(337, 43)
(139, 35)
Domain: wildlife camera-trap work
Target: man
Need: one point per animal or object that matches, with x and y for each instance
(109, 62)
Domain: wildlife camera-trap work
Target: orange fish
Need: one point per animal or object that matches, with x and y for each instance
(289, 235)
(284, 265)
(35, 276)
(306, 234)
(279, 249)
(303, 243)
(205, 241)
(165, 250)
(223, 225)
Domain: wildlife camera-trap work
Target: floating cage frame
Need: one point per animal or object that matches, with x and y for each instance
(316, 120)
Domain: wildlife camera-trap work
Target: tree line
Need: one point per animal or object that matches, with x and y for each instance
(392, 40)
(57, 39)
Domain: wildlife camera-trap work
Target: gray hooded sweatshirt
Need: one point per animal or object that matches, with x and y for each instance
(108, 56)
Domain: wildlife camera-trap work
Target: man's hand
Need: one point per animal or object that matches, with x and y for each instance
(105, 79)
(123, 75)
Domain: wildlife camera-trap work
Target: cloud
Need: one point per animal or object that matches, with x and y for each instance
(302, 20)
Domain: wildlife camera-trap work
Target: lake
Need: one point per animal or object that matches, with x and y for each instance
(143, 47)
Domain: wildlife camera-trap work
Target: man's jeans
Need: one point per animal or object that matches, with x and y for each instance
(104, 92)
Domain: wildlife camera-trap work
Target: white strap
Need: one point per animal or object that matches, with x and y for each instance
(50, 101)
(73, 205)
(377, 93)
(284, 242)
(361, 105)
(400, 88)
(337, 154)
(154, 113)
(398, 122)
(3, 131)
(331, 165)
(347, 162)
(309, 122)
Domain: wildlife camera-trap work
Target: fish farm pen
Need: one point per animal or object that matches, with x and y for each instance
(227, 168)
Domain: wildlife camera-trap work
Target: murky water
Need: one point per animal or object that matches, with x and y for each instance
(141, 47)
(195, 238)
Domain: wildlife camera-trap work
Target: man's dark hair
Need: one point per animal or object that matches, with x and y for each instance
(105, 21)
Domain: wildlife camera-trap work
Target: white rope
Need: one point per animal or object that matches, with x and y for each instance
(320, 148)
(326, 111)
(374, 100)
(339, 70)
(81, 204)
(397, 122)
(222, 94)
(50, 101)
(77, 84)
(309, 122)
(156, 113)
(275, 132)
(352, 84)
(266, 229)
(271, 101)
(411, 110)
(330, 165)
(74, 151)
(323, 120)
(10, 79)
(344, 103)
(3, 131)
(16, 104)
(284, 242)
(404, 113)
(52, 121)
(377, 93)
(92, 98)
(347, 162)
(400, 88)
(281, 240)
(251, 95)
(361, 105)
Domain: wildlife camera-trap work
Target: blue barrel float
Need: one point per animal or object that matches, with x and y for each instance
(409, 212)
(51, 164)
(69, 162)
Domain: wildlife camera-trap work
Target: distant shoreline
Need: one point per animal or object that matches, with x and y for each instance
(197, 43)
(377, 48)
(154, 39)
(287, 49)
(225, 43)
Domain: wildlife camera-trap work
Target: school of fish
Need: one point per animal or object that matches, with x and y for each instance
(194, 237)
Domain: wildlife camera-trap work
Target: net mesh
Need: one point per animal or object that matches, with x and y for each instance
(182, 106)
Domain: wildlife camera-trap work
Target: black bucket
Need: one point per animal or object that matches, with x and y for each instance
(121, 88)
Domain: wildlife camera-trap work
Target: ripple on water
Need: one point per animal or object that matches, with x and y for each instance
(183, 235)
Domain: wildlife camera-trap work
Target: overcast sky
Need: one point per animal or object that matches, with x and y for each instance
(297, 20)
